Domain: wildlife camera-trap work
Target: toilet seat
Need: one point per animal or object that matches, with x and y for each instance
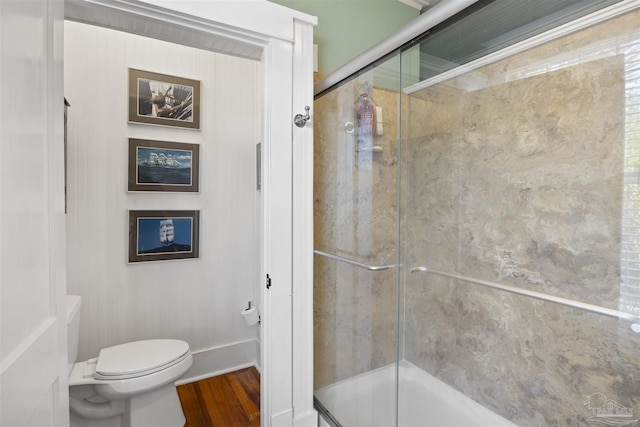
(133, 368)
(139, 358)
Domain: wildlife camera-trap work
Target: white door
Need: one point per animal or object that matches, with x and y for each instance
(33, 383)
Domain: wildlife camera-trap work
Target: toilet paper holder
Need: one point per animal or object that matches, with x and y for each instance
(251, 315)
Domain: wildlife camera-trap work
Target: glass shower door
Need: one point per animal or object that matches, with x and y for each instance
(356, 247)
(522, 244)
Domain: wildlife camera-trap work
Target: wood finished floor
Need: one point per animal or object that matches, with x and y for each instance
(230, 400)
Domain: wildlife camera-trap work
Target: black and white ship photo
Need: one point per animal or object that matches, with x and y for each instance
(163, 166)
(169, 167)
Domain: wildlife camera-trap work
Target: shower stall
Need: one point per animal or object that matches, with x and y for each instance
(477, 221)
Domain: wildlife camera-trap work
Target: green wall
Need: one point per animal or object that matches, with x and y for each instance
(346, 28)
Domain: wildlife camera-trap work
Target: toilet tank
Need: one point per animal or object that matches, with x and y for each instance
(73, 327)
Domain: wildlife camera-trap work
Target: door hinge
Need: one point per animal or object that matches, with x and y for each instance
(268, 282)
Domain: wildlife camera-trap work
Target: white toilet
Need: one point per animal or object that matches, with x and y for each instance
(127, 385)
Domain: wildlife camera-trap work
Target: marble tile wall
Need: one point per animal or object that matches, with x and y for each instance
(514, 175)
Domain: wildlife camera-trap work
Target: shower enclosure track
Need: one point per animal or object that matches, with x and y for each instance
(538, 295)
(440, 12)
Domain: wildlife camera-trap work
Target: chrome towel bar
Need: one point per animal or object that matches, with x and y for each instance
(538, 295)
(354, 263)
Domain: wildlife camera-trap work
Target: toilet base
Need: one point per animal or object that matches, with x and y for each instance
(77, 421)
(158, 408)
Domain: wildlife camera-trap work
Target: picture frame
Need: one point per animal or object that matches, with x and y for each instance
(160, 235)
(163, 100)
(163, 166)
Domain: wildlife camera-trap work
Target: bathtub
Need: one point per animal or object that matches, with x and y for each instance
(368, 400)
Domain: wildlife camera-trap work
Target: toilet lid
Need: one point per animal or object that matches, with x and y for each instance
(139, 358)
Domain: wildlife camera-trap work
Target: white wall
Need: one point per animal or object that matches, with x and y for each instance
(195, 300)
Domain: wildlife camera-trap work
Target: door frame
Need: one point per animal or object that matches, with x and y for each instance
(33, 360)
(284, 45)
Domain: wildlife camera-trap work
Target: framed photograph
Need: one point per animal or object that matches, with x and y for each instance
(163, 235)
(163, 166)
(159, 99)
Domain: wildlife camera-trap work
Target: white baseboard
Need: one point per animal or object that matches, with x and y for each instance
(282, 419)
(221, 360)
(308, 419)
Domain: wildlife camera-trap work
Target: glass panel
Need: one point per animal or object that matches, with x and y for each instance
(525, 173)
(491, 25)
(530, 154)
(356, 219)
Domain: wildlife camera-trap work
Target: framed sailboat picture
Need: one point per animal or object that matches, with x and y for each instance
(160, 99)
(163, 166)
(163, 235)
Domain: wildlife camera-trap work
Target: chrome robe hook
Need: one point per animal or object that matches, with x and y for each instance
(301, 120)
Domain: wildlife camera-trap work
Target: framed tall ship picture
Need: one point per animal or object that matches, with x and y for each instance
(163, 166)
(163, 100)
(163, 235)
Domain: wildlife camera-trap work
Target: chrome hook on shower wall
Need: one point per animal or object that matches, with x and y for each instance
(301, 120)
